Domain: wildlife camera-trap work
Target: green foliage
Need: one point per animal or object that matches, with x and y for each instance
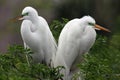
(57, 26)
(17, 64)
(102, 63)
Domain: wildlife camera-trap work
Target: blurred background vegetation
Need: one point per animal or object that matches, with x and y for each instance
(104, 61)
(105, 12)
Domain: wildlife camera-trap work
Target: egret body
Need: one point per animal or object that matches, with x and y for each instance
(37, 36)
(76, 38)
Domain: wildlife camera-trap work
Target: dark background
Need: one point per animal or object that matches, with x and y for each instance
(105, 12)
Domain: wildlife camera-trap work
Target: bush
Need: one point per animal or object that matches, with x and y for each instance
(102, 62)
(17, 64)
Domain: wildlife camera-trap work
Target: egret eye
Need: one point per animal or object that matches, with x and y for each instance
(91, 24)
(25, 14)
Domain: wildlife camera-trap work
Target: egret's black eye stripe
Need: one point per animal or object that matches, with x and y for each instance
(25, 14)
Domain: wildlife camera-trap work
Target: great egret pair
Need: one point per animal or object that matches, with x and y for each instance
(76, 38)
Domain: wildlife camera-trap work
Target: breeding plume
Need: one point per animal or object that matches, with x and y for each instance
(76, 38)
(37, 36)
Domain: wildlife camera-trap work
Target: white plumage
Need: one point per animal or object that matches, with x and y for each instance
(37, 36)
(76, 38)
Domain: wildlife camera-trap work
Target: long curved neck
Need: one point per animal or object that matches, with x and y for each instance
(90, 35)
(34, 18)
(90, 31)
(25, 29)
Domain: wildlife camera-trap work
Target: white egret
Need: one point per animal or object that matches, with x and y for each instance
(76, 38)
(37, 36)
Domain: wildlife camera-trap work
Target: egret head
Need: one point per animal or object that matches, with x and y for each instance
(28, 13)
(88, 20)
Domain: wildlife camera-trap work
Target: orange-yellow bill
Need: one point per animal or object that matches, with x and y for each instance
(101, 28)
(17, 18)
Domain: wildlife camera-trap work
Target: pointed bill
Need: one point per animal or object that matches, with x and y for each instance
(98, 27)
(17, 18)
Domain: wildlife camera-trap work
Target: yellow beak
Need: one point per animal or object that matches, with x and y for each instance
(98, 27)
(17, 18)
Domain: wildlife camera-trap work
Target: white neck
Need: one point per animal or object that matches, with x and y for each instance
(34, 19)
